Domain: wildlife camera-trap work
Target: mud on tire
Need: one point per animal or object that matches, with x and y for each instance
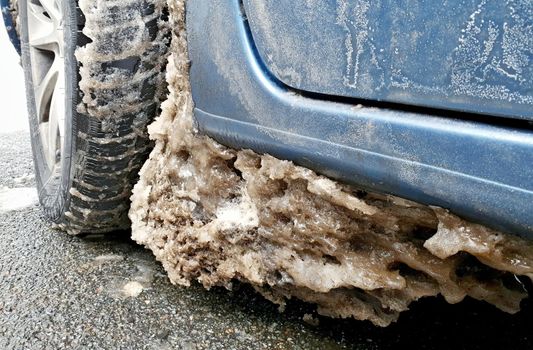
(115, 54)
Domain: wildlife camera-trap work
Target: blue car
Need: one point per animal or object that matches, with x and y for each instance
(433, 104)
(428, 103)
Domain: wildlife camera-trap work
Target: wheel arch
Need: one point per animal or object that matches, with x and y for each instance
(9, 9)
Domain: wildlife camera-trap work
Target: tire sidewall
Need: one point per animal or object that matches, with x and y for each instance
(53, 187)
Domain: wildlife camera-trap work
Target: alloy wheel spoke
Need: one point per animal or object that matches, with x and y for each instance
(42, 33)
(53, 132)
(52, 8)
(45, 41)
(57, 120)
(43, 131)
(44, 91)
(45, 36)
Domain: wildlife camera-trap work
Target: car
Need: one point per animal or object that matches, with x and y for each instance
(438, 112)
(427, 106)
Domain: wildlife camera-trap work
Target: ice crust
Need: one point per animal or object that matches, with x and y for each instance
(218, 215)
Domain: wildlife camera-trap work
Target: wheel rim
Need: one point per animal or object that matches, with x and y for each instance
(47, 47)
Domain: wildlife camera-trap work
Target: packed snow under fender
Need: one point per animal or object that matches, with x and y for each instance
(219, 215)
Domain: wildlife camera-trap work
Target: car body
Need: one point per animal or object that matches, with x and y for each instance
(276, 77)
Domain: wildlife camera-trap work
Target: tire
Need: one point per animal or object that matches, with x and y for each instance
(113, 77)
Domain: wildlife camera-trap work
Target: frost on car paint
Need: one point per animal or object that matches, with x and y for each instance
(457, 55)
(218, 215)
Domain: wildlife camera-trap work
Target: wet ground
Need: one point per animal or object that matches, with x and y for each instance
(61, 292)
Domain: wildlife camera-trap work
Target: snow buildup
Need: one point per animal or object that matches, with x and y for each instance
(121, 54)
(240, 216)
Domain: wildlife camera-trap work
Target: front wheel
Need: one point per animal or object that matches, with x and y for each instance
(94, 80)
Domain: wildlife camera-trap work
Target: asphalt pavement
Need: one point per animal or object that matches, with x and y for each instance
(106, 292)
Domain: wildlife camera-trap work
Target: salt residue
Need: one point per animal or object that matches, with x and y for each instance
(17, 198)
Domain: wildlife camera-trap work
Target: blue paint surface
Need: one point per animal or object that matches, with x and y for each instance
(470, 56)
(481, 171)
(9, 24)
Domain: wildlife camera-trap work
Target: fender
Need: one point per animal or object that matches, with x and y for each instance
(10, 24)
